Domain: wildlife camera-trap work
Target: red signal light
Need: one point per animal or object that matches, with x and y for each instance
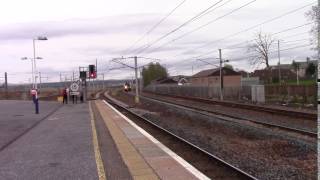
(92, 71)
(93, 75)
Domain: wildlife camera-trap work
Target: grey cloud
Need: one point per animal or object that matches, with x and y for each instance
(117, 24)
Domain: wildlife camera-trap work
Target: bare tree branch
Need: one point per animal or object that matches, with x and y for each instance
(261, 47)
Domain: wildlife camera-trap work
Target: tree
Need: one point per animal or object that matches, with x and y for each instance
(311, 70)
(261, 47)
(153, 71)
(314, 15)
(296, 67)
(228, 66)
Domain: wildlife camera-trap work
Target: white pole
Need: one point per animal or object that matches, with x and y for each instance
(32, 72)
(137, 100)
(103, 81)
(39, 79)
(34, 64)
(279, 61)
(220, 57)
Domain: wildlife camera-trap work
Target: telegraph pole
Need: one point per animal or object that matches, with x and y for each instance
(137, 100)
(136, 69)
(318, 35)
(39, 80)
(6, 84)
(279, 62)
(221, 77)
(103, 81)
(141, 82)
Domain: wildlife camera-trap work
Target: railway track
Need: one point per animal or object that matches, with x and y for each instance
(284, 112)
(226, 116)
(211, 165)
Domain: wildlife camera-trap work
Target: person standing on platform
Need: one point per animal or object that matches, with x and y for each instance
(65, 96)
(35, 99)
(68, 94)
(74, 98)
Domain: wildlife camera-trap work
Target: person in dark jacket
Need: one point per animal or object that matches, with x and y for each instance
(65, 96)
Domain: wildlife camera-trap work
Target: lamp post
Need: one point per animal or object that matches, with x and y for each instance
(32, 67)
(39, 38)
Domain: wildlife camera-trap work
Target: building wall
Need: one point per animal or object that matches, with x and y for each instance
(232, 80)
(215, 81)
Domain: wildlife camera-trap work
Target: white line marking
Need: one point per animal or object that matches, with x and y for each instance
(179, 159)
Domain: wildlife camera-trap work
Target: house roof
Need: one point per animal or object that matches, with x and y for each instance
(168, 81)
(215, 72)
(164, 80)
(206, 73)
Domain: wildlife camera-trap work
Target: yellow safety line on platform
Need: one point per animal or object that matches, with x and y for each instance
(97, 154)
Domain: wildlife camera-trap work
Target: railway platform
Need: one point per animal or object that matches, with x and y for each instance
(82, 141)
(144, 157)
(55, 144)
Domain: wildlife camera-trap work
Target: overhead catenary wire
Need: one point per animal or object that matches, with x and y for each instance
(247, 57)
(208, 12)
(279, 32)
(257, 25)
(296, 34)
(275, 51)
(126, 65)
(196, 17)
(252, 56)
(206, 24)
(155, 26)
(285, 42)
(234, 46)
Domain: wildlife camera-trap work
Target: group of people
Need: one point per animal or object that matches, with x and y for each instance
(66, 95)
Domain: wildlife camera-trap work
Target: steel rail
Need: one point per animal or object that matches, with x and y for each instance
(284, 112)
(200, 111)
(226, 164)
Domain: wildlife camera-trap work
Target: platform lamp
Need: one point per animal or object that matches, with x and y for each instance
(39, 38)
(32, 70)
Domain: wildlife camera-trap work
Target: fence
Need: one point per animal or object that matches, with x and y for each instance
(288, 93)
(25, 94)
(292, 93)
(230, 93)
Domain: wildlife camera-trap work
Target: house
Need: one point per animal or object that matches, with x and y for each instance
(243, 73)
(272, 75)
(164, 80)
(302, 67)
(211, 77)
(181, 79)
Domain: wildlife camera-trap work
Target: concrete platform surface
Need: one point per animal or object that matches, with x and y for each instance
(145, 157)
(59, 147)
(17, 116)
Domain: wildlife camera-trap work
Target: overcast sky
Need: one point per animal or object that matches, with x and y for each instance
(80, 31)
